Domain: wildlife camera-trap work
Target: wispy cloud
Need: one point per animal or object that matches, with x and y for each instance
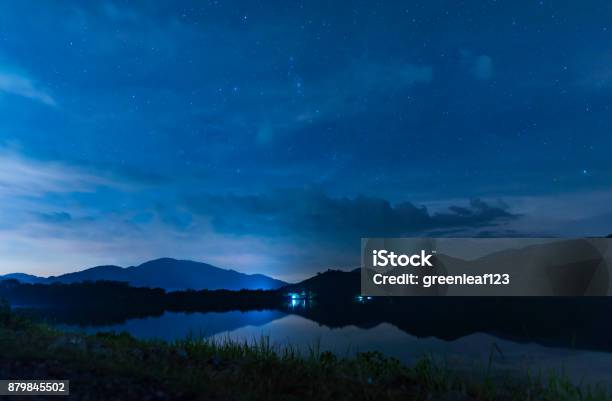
(478, 66)
(351, 90)
(21, 85)
(120, 13)
(21, 176)
(483, 68)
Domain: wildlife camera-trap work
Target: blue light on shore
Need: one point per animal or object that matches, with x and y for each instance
(362, 299)
(300, 299)
(298, 295)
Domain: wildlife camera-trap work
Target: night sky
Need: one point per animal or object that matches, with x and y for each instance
(271, 136)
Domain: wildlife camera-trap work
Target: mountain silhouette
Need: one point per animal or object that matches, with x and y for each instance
(332, 284)
(24, 278)
(169, 274)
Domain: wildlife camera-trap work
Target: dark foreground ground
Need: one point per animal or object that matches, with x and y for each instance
(119, 367)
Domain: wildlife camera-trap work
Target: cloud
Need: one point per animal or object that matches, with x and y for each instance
(312, 213)
(54, 217)
(20, 85)
(593, 73)
(483, 68)
(340, 93)
(120, 14)
(478, 66)
(20, 176)
(344, 93)
(352, 88)
(308, 230)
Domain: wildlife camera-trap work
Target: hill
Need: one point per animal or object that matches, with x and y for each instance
(169, 274)
(24, 278)
(332, 284)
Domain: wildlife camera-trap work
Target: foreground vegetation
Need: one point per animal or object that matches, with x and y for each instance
(120, 367)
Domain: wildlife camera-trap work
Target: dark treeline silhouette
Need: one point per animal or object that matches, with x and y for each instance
(119, 295)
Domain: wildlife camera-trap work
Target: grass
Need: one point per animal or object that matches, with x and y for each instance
(110, 365)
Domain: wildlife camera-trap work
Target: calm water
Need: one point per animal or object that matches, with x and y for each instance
(468, 352)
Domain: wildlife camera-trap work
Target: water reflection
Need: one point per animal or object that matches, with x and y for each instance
(174, 325)
(470, 352)
(300, 304)
(295, 303)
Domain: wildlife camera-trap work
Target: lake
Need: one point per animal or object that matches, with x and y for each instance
(470, 352)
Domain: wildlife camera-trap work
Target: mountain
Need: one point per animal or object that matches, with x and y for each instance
(332, 284)
(169, 274)
(24, 278)
(107, 272)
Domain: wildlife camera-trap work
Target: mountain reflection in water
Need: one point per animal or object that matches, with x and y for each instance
(470, 353)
